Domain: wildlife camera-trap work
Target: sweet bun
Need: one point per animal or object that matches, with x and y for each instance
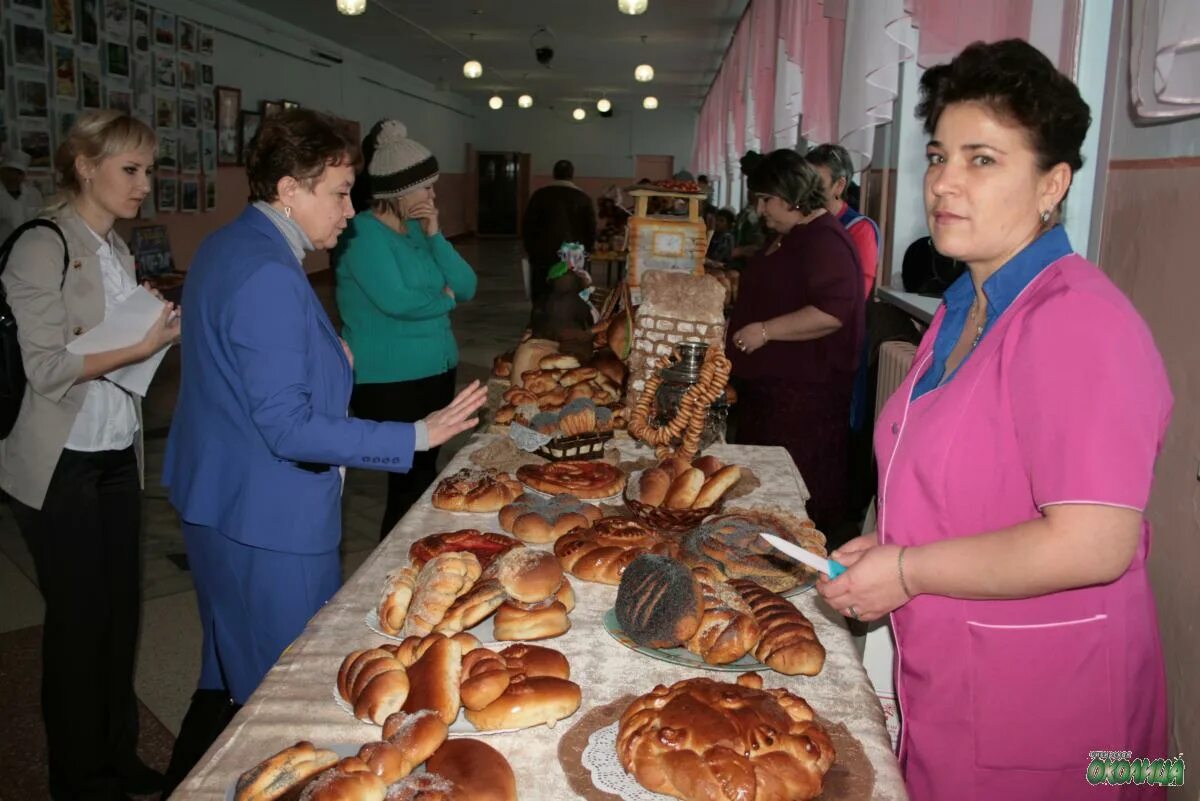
(472, 608)
(684, 489)
(709, 464)
(396, 596)
(514, 623)
(408, 741)
(384, 694)
(565, 595)
(435, 678)
(349, 779)
(534, 660)
(485, 676)
(284, 773)
(653, 486)
(675, 466)
(558, 361)
(423, 787)
(529, 575)
(528, 701)
(659, 602)
(538, 520)
(477, 771)
(353, 664)
(717, 485)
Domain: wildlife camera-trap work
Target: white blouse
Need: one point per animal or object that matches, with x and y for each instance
(108, 420)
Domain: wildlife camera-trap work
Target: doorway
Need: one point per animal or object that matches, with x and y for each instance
(500, 177)
(656, 168)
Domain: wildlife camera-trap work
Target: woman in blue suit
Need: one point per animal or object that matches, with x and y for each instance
(261, 425)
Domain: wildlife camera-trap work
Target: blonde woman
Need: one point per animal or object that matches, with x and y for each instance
(72, 462)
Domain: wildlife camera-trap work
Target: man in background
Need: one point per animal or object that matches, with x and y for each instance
(20, 201)
(557, 213)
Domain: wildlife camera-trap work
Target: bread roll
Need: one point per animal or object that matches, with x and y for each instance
(384, 694)
(470, 609)
(397, 594)
(440, 582)
(788, 642)
(558, 361)
(540, 381)
(534, 660)
(485, 675)
(577, 375)
(370, 671)
(351, 666)
(675, 466)
(565, 596)
(422, 787)
(684, 489)
(435, 679)
(716, 486)
(529, 575)
(349, 779)
(538, 520)
(609, 366)
(653, 486)
(528, 701)
(709, 464)
(601, 553)
(478, 771)
(513, 623)
(408, 740)
(728, 629)
(284, 773)
(659, 602)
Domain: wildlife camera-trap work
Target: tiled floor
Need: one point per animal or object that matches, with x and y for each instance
(168, 663)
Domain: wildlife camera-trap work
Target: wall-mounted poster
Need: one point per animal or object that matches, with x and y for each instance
(186, 36)
(89, 22)
(208, 112)
(164, 71)
(229, 106)
(33, 100)
(168, 150)
(167, 190)
(189, 195)
(117, 59)
(187, 74)
(207, 47)
(120, 99)
(208, 152)
(32, 7)
(35, 142)
(28, 46)
(189, 151)
(152, 250)
(117, 15)
(189, 113)
(164, 29)
(66, 74)
(141, 28)
(165, 111)
(62, 17)
(206, 75)
(89, 84)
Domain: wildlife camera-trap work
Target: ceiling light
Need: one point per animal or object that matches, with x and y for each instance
(603, 105)
(472, 69)
(632, 6)
(650, 102)
(496, 102)
(352, 8)
(525, 101)
(644, 73)
(579, 114)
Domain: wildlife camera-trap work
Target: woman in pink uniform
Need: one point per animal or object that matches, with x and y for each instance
(1015, 462)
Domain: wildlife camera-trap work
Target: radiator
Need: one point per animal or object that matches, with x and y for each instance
(895, 360)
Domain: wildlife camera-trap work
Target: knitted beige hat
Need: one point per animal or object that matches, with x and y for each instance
(399, 164)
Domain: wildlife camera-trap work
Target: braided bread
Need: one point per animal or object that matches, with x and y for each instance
(471, 490)
(397, 595)
(728, 629)
(601, 553)
(283, 773)
(788, 643)
(442, 579)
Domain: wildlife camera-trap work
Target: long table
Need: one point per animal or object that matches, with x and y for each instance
(295, 701)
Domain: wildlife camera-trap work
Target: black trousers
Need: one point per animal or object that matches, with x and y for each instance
(85, 542)
(405, 401)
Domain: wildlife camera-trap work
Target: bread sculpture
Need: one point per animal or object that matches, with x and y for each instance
(731, 543)
(455, 770)
(473, 490)
(440, 582)
(586, 480)
(705, 740)
(602, 552)
(728, 628)
(486, 545)
(659, 602)
(787, 643)
(677, 484)
(539, 520)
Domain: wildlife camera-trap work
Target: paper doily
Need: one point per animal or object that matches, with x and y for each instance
(600, 757)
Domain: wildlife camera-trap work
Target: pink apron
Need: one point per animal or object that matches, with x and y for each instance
(1065, 400)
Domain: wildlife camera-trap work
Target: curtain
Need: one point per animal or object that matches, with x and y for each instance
(1164, 58)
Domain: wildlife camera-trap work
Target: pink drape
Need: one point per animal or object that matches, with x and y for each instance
(821, 61)
(947, 26)
(1164, 60)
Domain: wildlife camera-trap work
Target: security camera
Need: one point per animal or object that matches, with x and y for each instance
(544, 55)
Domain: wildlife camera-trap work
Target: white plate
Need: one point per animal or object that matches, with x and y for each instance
(608, 775)
(461, 727)
(343, 750)
(484, 630)
(619, 497)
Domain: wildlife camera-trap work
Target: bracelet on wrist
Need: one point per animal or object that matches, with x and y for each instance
(766, 338)
(900, 572)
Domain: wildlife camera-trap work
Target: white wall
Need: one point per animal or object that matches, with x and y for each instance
(597, 146)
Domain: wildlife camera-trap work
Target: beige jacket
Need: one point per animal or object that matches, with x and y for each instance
(47, 319)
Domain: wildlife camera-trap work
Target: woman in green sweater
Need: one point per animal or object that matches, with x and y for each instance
(397, 281)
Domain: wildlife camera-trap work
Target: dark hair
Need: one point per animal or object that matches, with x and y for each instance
(701, 179)
(1015, 80)
(785, 174)
(563, 170)
(834, 157)
(728, 216)
(299, 143)
(749, 161)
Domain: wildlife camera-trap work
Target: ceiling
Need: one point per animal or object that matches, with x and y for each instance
(596, 46)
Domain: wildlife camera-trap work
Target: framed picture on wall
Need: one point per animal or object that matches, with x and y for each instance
(117, 59)
(168, 150)
(189, 195)
(187, 74)
(208, 112)
(270, 107)
(208, 153)
(35, 142)
(189, 151)
(189, 113)
(66, 75)
(251, 120)
(186, 36)
(164, 29)
(119, 98)
(229, 107)
(89, 84)
(206, 75)
(168, 188)
(32, 7)
(89, 22)
(28, 46)
(62, 18)
(116, 19)
(210, 193)
(141, 28)
(33, 100)
(164, 71)
(166, 111)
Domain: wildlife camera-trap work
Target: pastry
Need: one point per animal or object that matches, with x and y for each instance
(586, 480)
(601, 553)
(471, 490)
(717, 484)
(350, 778)
(565, 595)
(473, 607)
(709, 464)
(352, 664)
(484, 544)
(553, 398)
(529, 575)
(412, 648)
(728, 629)
(516, 396)
(477, 771)
(536, 519)
(788, 642)
(659, 602)
(397, 594)
(578, 417)
(423, 787)
(284, 773)
(540, 382)
(578, 375)
(528, 701)
(558, 361)
(502, 365)
(442, 579)
(434, 680)
(505, 414)
(684, 489)
(374, 683)
(653, 485)
(731, 542)
(408, 740)
(609, 366)
(708, 740)
(485, 676)
(514, 623)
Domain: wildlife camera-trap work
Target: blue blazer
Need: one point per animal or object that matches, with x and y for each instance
(262, 416)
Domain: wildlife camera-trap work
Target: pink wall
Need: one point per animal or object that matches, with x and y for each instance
(1149, 244)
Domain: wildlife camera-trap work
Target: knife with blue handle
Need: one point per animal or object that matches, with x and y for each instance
(829, 567)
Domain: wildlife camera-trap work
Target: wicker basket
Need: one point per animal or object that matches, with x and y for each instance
(582, 447)
(660, 517)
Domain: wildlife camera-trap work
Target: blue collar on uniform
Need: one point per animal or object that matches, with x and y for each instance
(1001, 289)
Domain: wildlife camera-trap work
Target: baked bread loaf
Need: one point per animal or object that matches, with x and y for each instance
(674, 484)
(486, 545)
(707, 740)
(564, 595)
(502, 365)
(528, 701)
(529, 575)
(505, 414)
(435, 678)
(477, 771)
(586, 480)
(558, 361)
(540, 382)
(653, 485)
(728, 629)
(473, 607)
(534, 660)
(422, 787)
(397, 595)
(659, 602)
(542, 623)
(716, 485)
(412, 739)
(285, 773)
(538, 520)
(518, 396)
(472, 490)
(709, 464)
(487, 674)
(601, 553)
(788, 642)
(413, 648)
(685, 489)
(349, 779)
(731, 543)
(442, 579)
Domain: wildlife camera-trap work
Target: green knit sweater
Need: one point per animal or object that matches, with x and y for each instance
(391, 296)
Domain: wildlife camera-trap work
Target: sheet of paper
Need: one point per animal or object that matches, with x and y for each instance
(125, 325)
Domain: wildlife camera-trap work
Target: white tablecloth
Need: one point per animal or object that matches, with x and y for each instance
(295, 700)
